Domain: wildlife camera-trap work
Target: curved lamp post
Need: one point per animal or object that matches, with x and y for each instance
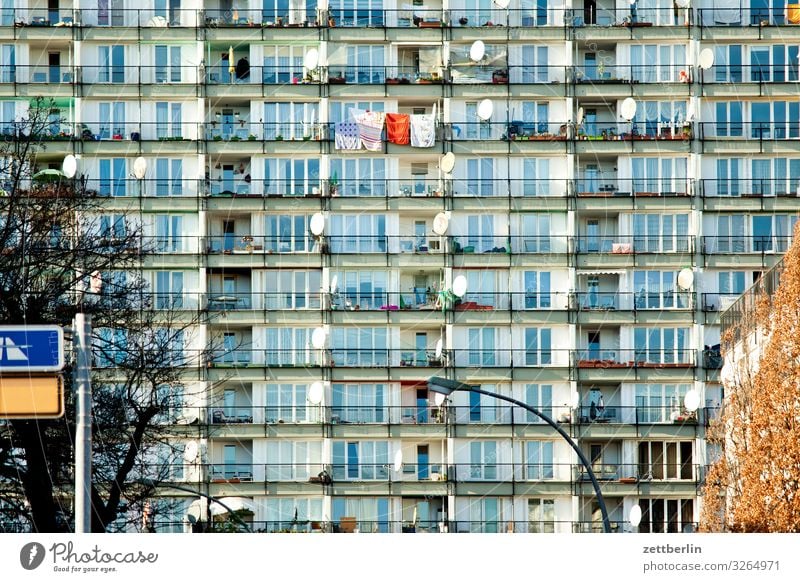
(154, 484)
(446, 387)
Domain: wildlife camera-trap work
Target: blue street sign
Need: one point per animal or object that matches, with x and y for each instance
(31, 348)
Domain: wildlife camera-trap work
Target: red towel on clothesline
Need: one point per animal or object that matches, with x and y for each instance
(398, 128)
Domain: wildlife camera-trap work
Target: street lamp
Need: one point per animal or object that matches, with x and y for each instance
(152, 483)
(446, 387)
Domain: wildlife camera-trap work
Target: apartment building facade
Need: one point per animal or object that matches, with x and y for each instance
(314, 263)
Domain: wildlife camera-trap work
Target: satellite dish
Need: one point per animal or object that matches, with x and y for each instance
(485, 110)
(447, 162)
(334, 283)
(440, 223)
(580, 115)
(315, 392)
(477, 51)
(70, 166)
(691, 401)
(194, 512)
(398, 461)
(628, 108)
(682, 3)
(190, 452)
(685, 279)
(439, 347)
(139, 168)
(157, 22)
(438, 398)
(706, 59)
(502, 3)
(311, 59)
(459, 286)
(635, 516)
(318, 337)
(317, 224)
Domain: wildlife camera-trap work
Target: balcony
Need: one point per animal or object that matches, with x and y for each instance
(742, 17)
(736, 244)
(638, 358)
(759, 189)
(604, 186)
(627, 301)
(119, 74)
(634, 244)
(516, 244)
(619, 73)
(636, 415)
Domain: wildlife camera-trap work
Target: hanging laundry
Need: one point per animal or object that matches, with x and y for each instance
(398, 128)
(346, 136)
(370, 128)
(423, 130)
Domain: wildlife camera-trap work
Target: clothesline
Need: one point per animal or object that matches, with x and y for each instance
(364, 129)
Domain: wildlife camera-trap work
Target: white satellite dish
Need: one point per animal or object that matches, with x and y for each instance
(685, 279)
(317, 224)
(70, 166)
(318, 337)
(195, 511)
(459, 286)
(315, 392)
(628, 108)
(447, 162)
(706, 59)
(502, 3)
(334, 283)
(635, 516)
(398, 461)
(139, 168)
(439, 347)
(440, 223)
(580, 115)
(157, 22)
(477, 51)
(682, 3)
(311, 59)
(691, 401)
(485, 110)
(439, 398)
(190, 451)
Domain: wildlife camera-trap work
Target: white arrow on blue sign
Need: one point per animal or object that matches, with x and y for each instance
(31, 348)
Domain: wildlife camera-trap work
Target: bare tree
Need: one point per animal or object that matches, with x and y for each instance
(52, 243)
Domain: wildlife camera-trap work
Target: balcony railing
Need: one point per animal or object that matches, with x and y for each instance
(612, 186)
(760, 130)
(638, 358)
(53, 75)
(641, 472)
(736, 244)
(633, 131)
(787, 73)
(627, 301)
(610, 73)
(744, 16)
(719, 301)
(634, 244)
(751, 187)
(613, 414)
(515, 244)
(248, 244)
(137, 74)
(136, 18)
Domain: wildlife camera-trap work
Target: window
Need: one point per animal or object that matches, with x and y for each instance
(539, 460)
(483, 409)
(483, 460)
(357, 12)
(110, 346)
(661, 233)
(485, 515)
(340, 110)
(112, 227)
(291, 513)
(7, 117)
(536, 180)
(168, 63)
(359, 176)
(358, 233)
(8, 72)
(772, 233)
(365, 64)
(657, 290)
(290, 120)
(481, 287)
(729, 119)
(291, 176)
(541, 515)
(365, 346)
(666, 460)
(283, 64)
(481, 346)
(289, 346)
(540, 396)
(536, 229)
(782, 116)
(731, 282)
(728, 172)
(656, 63)
(537, 346)
(286, 289)
(359, 289)
(728, 63)
(168, 119)
(729, 237)
(359, 403)
(287, 233)
(360, 460)
(371, 513)
(170, 399)
(480, 233)
(657, 402)
(169, 233)
(169, 289)
(535, 65)
(112, 120)
(480, 177)
(537, 289)
(659, 176)
(169, 177)
(113, 177)
(476, 127)
(293, 460)
(653, 117)
(662, 345)
(112, 64)
(666, 515)
(288, 403)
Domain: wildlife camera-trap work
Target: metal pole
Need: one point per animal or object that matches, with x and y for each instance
(584, 461)
(83, 428)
